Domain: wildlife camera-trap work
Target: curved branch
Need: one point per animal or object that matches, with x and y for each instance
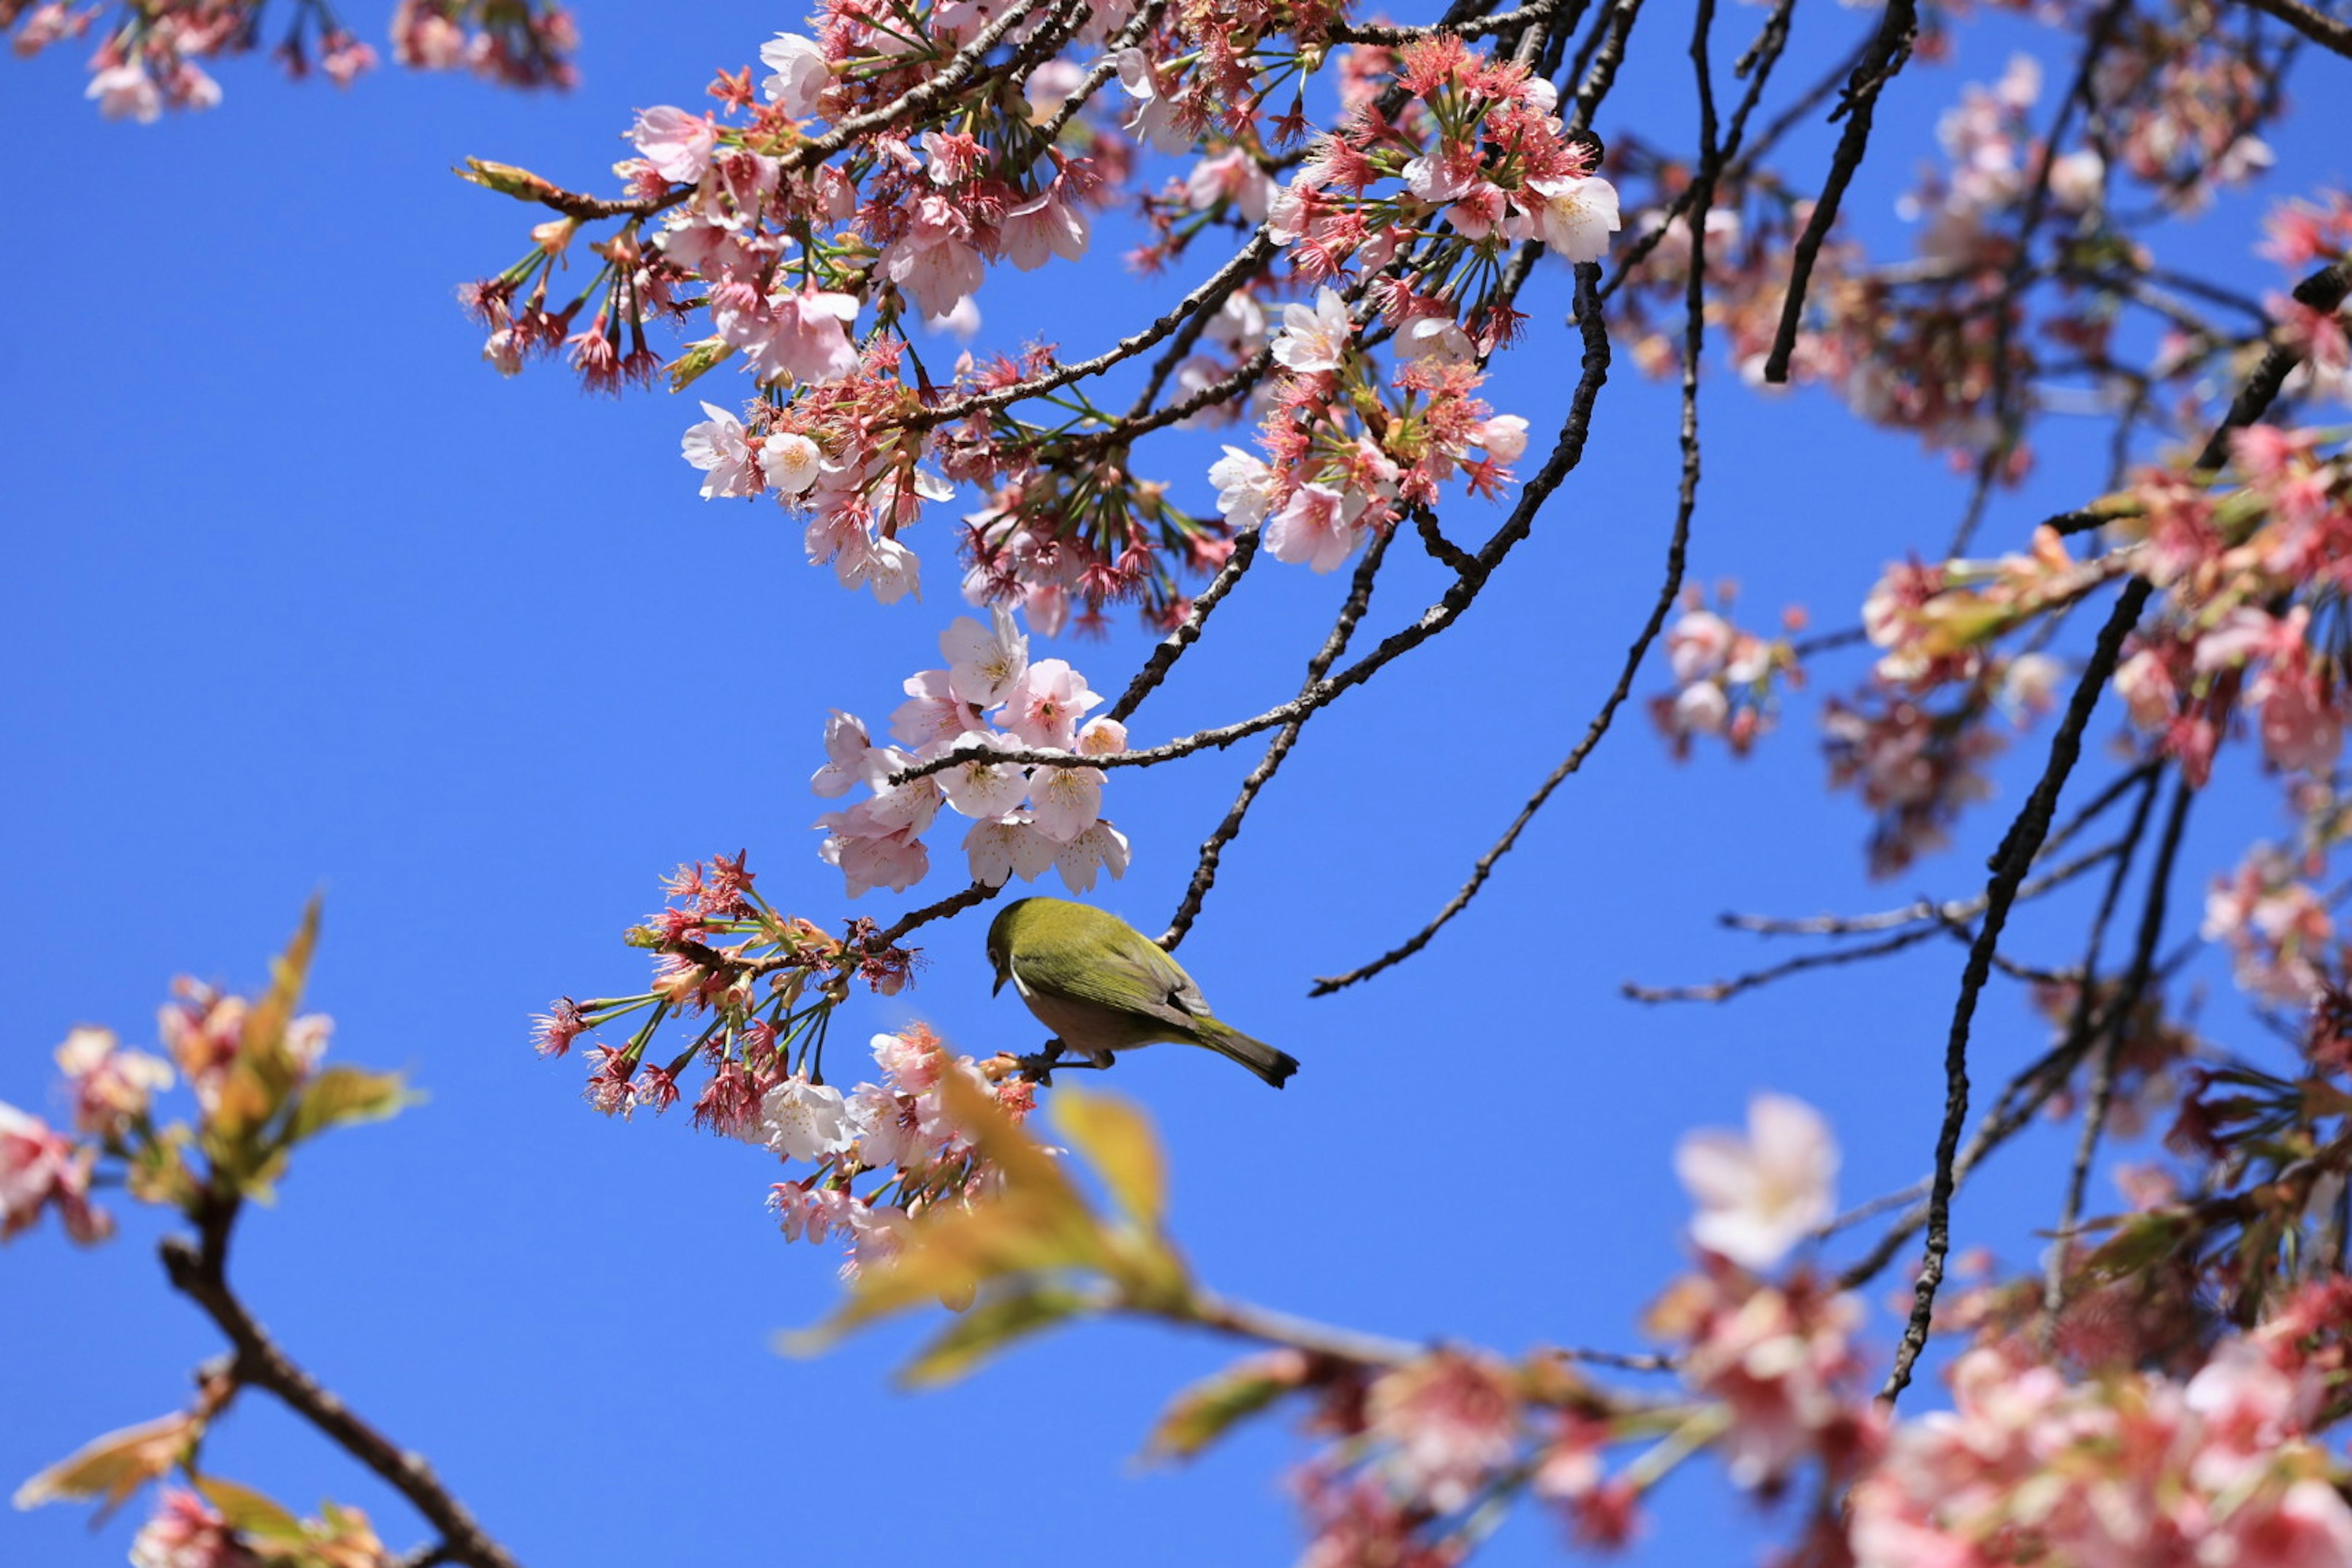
(199, 1271)
(1566, 453)
(2009, 864)
(1888, 50)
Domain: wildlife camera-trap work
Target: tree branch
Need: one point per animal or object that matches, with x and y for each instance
(199, 1271)
(1888, 51)
(2008, 868)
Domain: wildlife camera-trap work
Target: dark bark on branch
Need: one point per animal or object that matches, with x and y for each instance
(199, 1271)
(1888, 51)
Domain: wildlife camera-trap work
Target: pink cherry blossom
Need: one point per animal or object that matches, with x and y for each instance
(1101, 847)
(1504, 436)
(1047, 702)
(677, 144)
(800, 337)
(802, 1120)
(845, 745)
(1247, 488)
(1315, 526)
(896, 860)
(1314, 338)
(1007, 847)
(932, 717)
(1452, 1420)
(721, 448)
(1066, 802)
(982, 788)
(127, 92)
(40, 1167)
(1577, 216)
(791, 462)
(1761, 1195)
(111, 1087)
(1045, 227)
(985, 663)
(802, 73)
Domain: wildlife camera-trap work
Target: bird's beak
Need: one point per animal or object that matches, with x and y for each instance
(1002, 976)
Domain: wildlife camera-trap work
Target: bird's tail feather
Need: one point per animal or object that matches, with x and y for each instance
(1272, 1065)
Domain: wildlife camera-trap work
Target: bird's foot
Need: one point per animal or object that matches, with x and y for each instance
(1039, 1068)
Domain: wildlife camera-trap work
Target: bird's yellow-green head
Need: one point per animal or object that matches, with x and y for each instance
(1000, 937)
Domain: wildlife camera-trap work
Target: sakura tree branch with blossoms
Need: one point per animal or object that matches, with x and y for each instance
(1352, 228)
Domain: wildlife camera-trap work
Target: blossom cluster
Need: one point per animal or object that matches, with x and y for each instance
(1475, 163)
(111, 1091)
(765, 988)
(1960, 343)
(1349, 455)
(1026, 818)
(2139, 1467)
(1728, 679)
(868, 181)
(2250, 572)
(897, 1128)
(1421, 1453)
(150, 55)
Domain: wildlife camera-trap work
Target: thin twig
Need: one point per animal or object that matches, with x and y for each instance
(1888, 49)
(1204, 872)
(2324, 30)
(2102, 1069)
(2008, 868)
(1171, 646)
(1565, 455)
(1724, 990)
(1677, 545)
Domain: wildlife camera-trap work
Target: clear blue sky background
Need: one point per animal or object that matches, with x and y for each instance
(302, 594)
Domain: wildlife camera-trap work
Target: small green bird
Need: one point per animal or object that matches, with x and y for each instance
(1101, 985)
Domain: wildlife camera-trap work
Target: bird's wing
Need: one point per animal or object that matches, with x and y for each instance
(1130, 976)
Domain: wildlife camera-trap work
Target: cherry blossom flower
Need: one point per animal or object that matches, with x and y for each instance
(1576, 217)
(1007, 847)
(721, 448)
(1314, 338)
(1066, 802)
(804, 1121)
(887, 566)
(845, 745)
(1452, 1421)
(126, 91)
(985, 789)
(985, 663)
(111, 1087)
(791, 462)
(1504, 436)
(802, 73)
(895, 860)
(1045, 703)
(677, 144)
(801, 338)
(1315, 526)
(1247, 488)
(186, 1531)
(1101, 847)
(1761, 1195)
(932, 717)
(1043, 226)
(40, 1167)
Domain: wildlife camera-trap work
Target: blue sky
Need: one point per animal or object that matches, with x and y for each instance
(303, 596)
